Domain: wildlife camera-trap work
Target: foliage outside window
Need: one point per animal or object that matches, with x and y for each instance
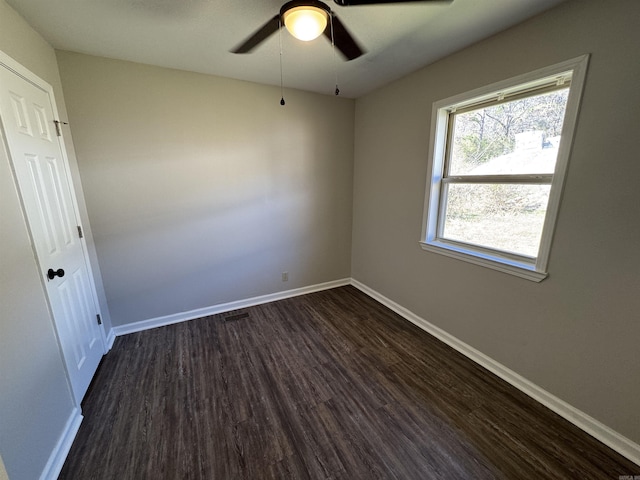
(498, 164)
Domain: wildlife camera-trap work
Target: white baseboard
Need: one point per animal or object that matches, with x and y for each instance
(593, 427)
(111, 336)
(59, 454)
(224, 307)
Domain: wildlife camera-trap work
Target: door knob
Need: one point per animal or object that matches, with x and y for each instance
(52, 273)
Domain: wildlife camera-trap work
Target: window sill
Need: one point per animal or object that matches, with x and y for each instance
(502, 265)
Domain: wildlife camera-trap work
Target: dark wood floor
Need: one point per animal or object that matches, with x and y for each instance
(330, 385)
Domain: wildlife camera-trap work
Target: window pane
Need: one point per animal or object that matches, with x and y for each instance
(517, 137)
(503, 217)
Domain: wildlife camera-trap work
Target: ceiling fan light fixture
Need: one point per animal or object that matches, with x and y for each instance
(305, 22)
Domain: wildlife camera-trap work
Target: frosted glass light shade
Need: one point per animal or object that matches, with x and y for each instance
(305, 23)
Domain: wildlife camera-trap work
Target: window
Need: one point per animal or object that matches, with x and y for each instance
(498, 160)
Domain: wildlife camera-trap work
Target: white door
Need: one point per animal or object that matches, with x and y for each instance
(42, 175)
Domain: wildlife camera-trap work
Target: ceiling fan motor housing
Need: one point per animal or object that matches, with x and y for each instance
(304, 3)
(305, 20)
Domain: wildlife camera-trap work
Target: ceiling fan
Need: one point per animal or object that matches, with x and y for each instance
(308, 19)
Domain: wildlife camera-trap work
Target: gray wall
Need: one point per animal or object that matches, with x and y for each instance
(576, 333)
(36, 401)
(203, 190)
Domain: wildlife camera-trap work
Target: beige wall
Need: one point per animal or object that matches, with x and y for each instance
(26, 46)
(35, 399)
(203, 190)
(576, 333)
(3, 471)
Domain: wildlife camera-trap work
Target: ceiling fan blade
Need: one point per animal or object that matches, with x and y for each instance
(344, 41)
(349, 3)
(260, 36)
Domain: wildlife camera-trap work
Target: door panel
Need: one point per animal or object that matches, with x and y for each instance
(42, 176)
(68, 233)
(36, 195)
(21, 118)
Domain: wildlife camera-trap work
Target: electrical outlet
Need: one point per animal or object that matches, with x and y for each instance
(285, 276)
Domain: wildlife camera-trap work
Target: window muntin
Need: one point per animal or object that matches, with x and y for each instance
(497, 169)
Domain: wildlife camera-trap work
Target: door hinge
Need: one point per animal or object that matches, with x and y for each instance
(58, 123)
(99, 319)
(80, 234)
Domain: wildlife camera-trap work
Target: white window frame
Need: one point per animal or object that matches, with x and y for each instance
(531, 268)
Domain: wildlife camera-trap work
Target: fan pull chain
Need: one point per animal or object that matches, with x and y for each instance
(335, 64)
(282, 102)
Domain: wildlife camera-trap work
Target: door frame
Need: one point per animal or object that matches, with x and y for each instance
(15, 67)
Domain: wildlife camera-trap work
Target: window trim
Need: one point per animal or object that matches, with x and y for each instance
(536, 269)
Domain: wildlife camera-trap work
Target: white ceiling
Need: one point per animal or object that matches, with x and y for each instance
(197, 35)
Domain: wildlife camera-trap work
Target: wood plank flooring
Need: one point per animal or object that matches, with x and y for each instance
(330, 385)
